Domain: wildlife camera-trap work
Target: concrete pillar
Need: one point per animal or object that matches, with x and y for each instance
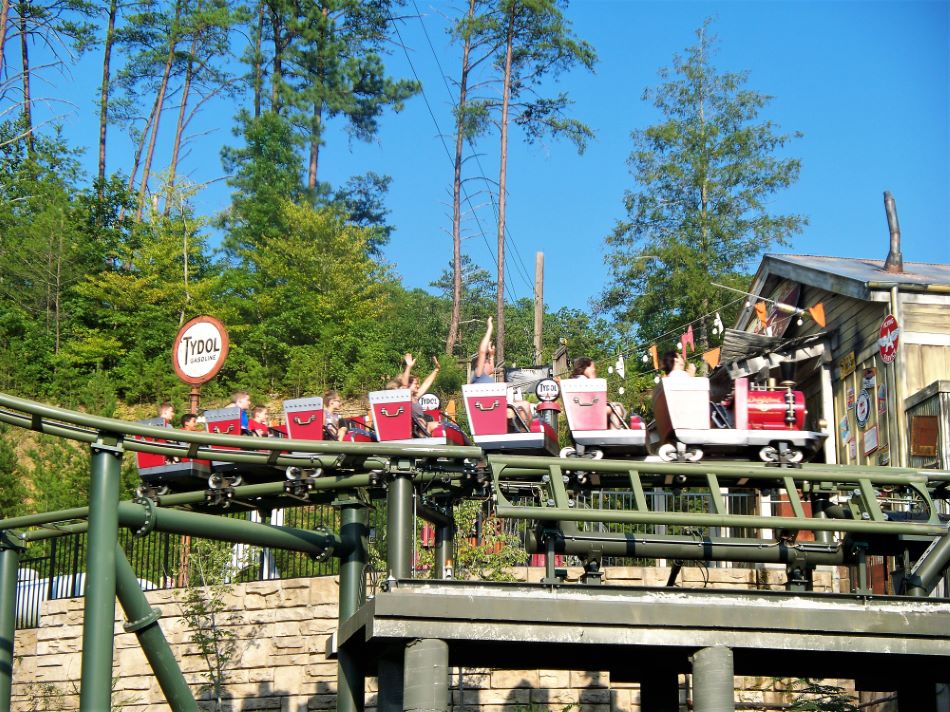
(390, 680)
(713, 686)
(426, 679)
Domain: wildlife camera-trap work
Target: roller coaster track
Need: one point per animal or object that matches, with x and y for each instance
(545, 490)
(553, 482)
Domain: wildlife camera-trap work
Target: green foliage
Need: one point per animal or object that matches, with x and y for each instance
(58, 474)
(543, 45)
(489, 557)
(335, 68)
(700, 212)
(12, 490)
(210, 570)
(814, 696)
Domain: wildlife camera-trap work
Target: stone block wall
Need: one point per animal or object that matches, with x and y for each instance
(280, 633)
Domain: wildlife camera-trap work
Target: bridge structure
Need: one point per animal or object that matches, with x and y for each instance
(411, 632)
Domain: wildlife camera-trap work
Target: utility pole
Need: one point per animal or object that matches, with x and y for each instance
(538, 303)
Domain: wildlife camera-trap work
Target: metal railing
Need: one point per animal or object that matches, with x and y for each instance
(55, 568)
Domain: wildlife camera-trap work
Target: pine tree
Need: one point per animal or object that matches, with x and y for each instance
(699, 212)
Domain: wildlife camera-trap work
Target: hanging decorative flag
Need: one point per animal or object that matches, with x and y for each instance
(711, 357)
(687, 339)
(761, 311)
(818, 314)
(718, 326)
(620, 367)
(656, 359)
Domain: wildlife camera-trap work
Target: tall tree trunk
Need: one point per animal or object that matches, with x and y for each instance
(4, 12)
(25, 56)
(156, 118)
(104, 95)
(277, 76)
(58, 287)
(705, 247)
(316, 130)
(316, 126)
(137, 158)
(457, 193)
(258, 67)
(502, 201)
(180, 125)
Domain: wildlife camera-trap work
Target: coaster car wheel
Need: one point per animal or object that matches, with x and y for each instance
(693, 454)
(567, 452)
(667, 452)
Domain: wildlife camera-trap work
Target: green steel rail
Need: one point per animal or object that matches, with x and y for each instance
(547, 477)
(87, 428)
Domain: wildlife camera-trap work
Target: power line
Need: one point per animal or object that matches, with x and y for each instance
(509, 238)
(442, 140)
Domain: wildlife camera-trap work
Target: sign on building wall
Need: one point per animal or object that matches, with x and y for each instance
(889, 339)
(846, 365)
(924, 432)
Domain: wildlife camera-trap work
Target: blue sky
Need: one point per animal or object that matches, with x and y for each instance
(865, 82)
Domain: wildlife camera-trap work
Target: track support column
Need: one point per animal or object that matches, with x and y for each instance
(95, 693)
(445, 549)
(390, 679)
(399, 530)
(354, 533)
(426, 677)
(143, 621)
(713, 684)
(10, 549)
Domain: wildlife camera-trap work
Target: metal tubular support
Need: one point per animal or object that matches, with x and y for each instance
(145, 517)
(354, 533)
(399, 526)
(713, 684)
(143, 621)
(9, 562)
(661, 692)
(819, 503)
(926, 574)
(98, 634)
(445, 550)
(426, 679)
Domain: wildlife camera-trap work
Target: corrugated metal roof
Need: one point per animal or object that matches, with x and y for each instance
(869, 271)
(737, 345)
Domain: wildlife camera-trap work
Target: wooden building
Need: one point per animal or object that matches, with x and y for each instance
(876, 375)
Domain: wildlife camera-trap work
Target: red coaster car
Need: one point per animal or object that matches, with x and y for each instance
(588, 415)
(304, 418)
(163, 474)
(487, 407)
(432, 410)
(392, 415)
(767, 422)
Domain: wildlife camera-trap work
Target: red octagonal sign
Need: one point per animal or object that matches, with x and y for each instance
(890, 333)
